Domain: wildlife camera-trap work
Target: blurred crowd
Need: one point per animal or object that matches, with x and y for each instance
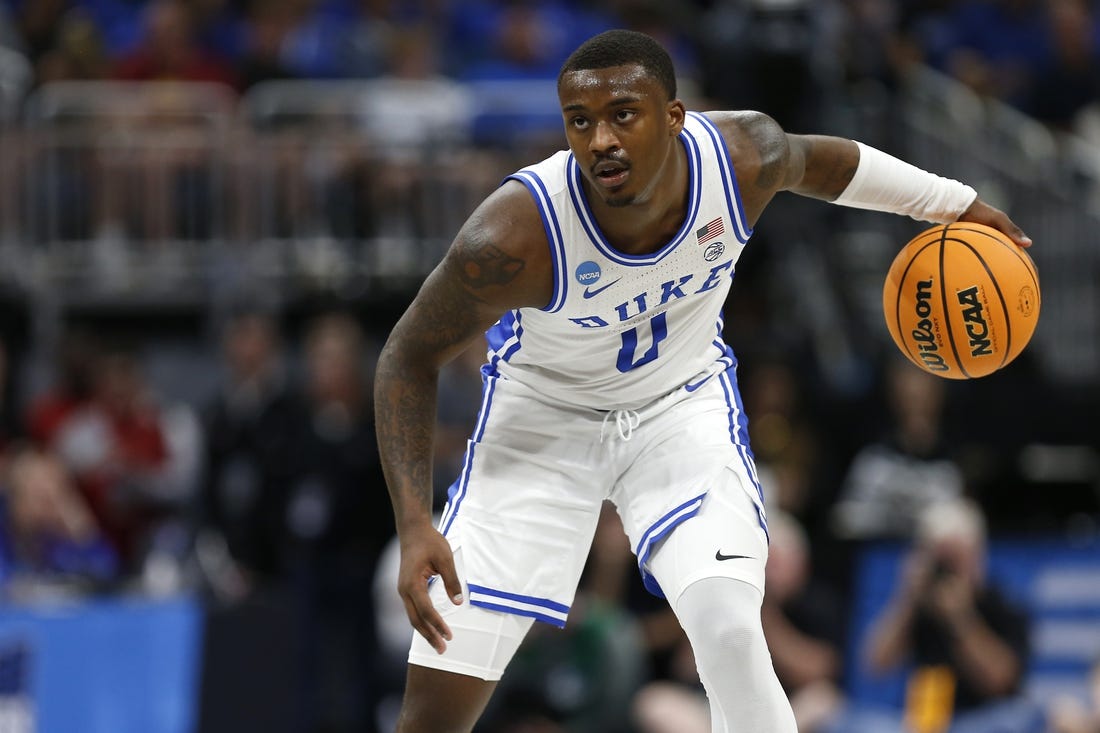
(1043, 56)
(267, 500)
(268, 491)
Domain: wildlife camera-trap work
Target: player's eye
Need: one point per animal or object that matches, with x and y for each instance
(578, 123)
(624, 115)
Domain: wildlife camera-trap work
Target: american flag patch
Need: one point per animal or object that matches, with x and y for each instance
(710, 231)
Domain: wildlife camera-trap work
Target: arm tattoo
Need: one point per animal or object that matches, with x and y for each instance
(403, 408)
(484, 264)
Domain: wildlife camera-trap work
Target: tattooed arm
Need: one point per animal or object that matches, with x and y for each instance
(500, 260)
(768, 160)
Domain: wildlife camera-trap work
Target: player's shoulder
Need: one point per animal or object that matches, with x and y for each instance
(750, 134)
(507, 229)
(758, 146)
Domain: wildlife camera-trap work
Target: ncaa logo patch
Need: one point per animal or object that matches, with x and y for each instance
(587, 272)
(713, 251)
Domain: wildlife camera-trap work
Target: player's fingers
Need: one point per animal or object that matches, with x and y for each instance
(449, 576)
(426, 620)
(1009, 227)
(983, 213)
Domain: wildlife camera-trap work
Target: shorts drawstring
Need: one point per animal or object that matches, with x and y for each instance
(625, 422)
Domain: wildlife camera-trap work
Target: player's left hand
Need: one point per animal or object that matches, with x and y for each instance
(982, 213)
(426, 553)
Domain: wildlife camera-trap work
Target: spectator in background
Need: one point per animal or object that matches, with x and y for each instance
(37, 23)
(170, 49)
(804, 624)
(1068, 83)
(48, 536)
(135, 459)
(73, 378)
(1072, 715)
(250, 428)
(997, 46)
(266, 26)
(892, 480)
(78, 52)
(967, 641)
(338, 520)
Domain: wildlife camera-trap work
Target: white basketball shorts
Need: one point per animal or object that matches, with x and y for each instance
(524, 509)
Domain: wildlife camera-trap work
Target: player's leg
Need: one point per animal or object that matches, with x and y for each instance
(437, 701)
(721, 617)
(446, 693)
(520, 520)
(711, 568)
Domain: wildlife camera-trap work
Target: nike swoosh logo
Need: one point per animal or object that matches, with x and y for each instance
(719, 557)
(590, 293)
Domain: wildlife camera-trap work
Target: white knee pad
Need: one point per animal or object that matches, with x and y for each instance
(721, 617)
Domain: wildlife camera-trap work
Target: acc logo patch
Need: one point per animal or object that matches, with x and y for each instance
(713, 251)
(587, 272)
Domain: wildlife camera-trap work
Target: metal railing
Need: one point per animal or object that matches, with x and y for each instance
(1047, 182)
(187, 192)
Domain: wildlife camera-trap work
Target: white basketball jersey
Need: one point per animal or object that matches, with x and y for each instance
(623, 330)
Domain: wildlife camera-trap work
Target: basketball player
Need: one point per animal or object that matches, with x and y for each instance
(599, 275)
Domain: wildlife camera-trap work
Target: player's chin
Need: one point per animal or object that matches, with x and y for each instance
(619, 200)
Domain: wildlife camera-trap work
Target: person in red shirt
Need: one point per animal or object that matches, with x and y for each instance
(170, 50)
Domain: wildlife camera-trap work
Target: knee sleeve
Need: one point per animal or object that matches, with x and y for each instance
(721, 617)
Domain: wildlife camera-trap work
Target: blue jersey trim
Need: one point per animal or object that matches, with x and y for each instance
(592, 228)
(552, 620)
(457, 492)
(739, 436)
(656, 532)
(544, 609)
(505, 337)
(530, 600)
(552, 226)
(733, 193)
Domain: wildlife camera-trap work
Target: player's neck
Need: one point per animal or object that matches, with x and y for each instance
(647, 225)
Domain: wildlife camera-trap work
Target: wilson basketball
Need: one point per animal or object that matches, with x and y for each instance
(961, 300)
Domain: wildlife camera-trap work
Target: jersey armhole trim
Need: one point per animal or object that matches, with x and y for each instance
(729, 180)
(552, 227)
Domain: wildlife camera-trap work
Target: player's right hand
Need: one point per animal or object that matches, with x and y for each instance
(426, 553)
(982, 213)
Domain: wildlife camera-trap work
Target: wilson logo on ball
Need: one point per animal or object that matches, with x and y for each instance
(923, 333)
(977, 329)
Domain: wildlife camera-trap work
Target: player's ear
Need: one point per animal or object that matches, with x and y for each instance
(676, 114)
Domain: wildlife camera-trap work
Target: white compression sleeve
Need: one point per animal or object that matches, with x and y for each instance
(885, 183)
(721, 618)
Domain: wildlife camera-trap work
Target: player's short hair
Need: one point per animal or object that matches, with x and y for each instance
(620, 48)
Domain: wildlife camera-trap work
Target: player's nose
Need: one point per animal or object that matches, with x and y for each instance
(603, 139)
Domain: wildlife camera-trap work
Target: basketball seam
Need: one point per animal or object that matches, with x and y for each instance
(1015, 249)
(1029, 265)
(1004, 305)
(897, 301)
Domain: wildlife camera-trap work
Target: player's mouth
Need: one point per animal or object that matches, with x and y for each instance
(610, 173)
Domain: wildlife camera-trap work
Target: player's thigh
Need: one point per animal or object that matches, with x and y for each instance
(483, 640)
(725, 539)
